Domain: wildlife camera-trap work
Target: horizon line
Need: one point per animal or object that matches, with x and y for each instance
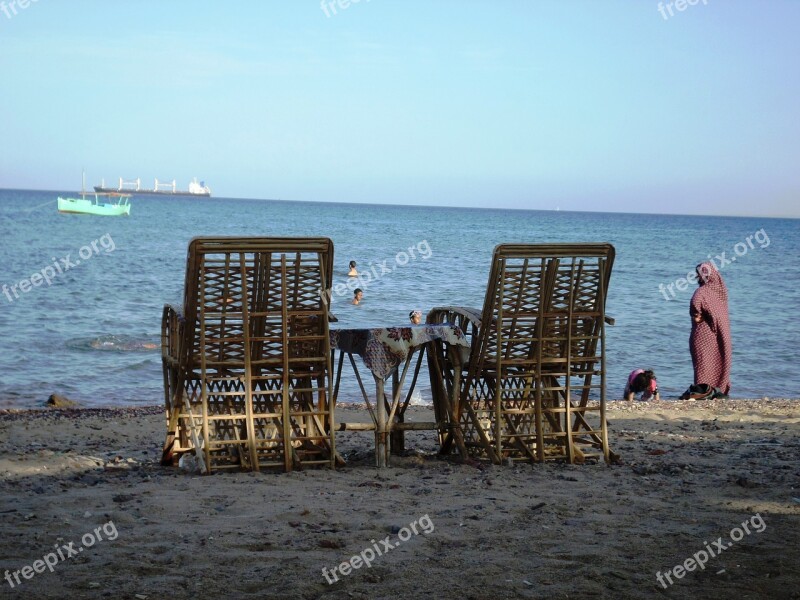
(357, 203)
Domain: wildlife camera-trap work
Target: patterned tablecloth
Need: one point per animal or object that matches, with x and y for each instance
(384, 348)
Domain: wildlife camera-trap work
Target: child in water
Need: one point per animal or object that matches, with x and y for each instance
(642, 382)
(415, 316)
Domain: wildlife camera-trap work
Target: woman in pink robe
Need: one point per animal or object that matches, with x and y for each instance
(710, 341)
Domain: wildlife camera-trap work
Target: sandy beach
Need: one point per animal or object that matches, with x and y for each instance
(85, 503)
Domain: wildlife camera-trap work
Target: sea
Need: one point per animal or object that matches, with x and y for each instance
(82, 296)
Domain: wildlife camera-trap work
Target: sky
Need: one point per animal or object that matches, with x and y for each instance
(623, 106)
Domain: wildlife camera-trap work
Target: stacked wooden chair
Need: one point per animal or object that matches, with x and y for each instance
(246, 359)
(532, 386)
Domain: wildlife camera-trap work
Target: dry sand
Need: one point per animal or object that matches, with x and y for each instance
(691, 473)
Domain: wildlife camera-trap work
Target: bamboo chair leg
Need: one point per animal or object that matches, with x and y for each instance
(517, 442)
(487, 445)
(198, 447)
(455, 408)
(600, 441)
(450, 414)
(320, 431)
(442, 405)
(169, 443)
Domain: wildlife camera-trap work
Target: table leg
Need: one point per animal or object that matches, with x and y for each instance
(397, 436)
(381, 437)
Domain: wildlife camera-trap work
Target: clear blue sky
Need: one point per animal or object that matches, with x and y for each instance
(586, 105)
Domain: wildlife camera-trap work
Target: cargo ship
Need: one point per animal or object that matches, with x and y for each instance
(159, 189)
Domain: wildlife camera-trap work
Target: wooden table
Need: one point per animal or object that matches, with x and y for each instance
(383, 350)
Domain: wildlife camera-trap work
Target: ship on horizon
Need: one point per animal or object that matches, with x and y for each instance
(159, 189)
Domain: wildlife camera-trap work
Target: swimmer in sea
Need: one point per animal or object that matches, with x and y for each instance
(352, 272)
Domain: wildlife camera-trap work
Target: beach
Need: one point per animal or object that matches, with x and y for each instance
(704, 503)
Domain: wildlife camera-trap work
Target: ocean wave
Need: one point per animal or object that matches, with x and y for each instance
(114, 343)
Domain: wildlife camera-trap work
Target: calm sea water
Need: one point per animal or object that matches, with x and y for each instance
(87, 334)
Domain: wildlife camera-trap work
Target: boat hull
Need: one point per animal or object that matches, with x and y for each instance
(179, 193)
(82, 206)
